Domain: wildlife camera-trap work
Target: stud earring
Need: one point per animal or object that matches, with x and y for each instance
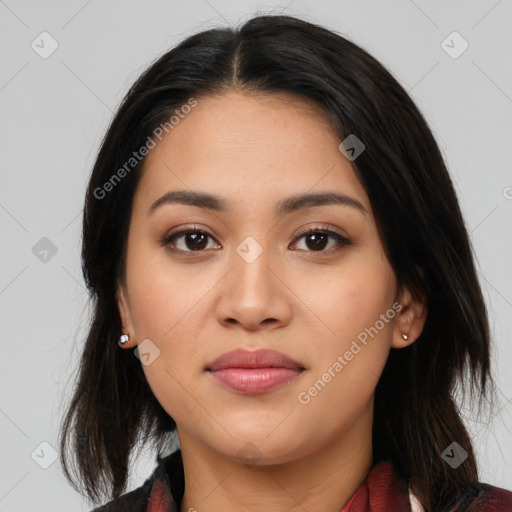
(405, 336)
(123, 339)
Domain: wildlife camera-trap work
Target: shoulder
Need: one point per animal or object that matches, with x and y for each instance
(491, 499)
(133, 501)
(167, 477)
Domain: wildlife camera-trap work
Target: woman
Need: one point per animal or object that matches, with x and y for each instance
(271, 227)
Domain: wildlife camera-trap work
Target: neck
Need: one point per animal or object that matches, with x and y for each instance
(320, 481)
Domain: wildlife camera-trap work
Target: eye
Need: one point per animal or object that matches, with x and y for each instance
(193, 240)
(317, 239)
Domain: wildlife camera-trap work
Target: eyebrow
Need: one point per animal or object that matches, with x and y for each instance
(283, 207)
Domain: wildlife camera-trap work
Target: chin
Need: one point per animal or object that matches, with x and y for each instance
(254, 448)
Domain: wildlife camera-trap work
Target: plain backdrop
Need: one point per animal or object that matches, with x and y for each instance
(55, 110)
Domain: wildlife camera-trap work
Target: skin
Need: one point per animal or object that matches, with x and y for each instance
(253, 151)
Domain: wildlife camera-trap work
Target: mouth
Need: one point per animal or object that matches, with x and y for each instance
(252, 372)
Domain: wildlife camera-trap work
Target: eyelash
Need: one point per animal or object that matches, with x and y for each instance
(342, 241)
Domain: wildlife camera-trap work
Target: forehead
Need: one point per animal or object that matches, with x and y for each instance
(250, 146)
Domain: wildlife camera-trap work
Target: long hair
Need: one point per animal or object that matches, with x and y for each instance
(419, 221)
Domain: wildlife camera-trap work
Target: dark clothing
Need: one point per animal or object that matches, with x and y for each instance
(382, 491)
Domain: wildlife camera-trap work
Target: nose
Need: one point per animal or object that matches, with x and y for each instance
(254, 293)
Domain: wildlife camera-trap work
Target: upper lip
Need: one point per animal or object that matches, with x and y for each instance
(261, 358)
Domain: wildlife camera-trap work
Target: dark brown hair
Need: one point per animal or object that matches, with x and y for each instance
(419, 220)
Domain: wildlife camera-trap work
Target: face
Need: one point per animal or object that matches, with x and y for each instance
(244, 275)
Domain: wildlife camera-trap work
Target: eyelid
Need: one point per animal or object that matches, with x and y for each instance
(320, 227)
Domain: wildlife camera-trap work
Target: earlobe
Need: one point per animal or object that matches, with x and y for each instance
(410, 321)
(125, 339)
(402, 337)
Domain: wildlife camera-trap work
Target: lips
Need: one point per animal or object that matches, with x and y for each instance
(252, 372)
(253, 359)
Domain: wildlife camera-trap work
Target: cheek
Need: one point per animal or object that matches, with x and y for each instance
(354, 343)
(350, 299)
(165, 295)
(349, 356)
(168, 309)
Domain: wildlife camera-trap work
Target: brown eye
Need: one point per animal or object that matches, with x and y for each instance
(188, 240)
(316, 239)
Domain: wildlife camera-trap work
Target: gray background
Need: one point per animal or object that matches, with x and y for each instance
(54, 112)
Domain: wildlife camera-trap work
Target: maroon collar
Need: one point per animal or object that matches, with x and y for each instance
(382, 491)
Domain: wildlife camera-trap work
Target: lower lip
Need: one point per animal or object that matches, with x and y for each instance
(254, 380)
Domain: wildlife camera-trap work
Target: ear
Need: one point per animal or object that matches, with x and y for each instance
(410, 320)
(124, 312)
